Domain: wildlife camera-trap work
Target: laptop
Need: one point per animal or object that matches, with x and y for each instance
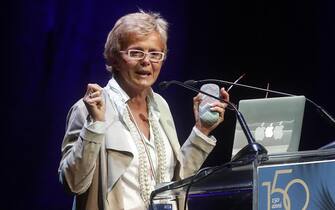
(274, 122)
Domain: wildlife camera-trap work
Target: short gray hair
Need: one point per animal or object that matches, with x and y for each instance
(141, 23)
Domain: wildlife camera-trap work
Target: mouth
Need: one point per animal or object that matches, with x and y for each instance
(143, 73)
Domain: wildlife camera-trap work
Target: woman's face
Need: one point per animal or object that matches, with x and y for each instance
(139, 75)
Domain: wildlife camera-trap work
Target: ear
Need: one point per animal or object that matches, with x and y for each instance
(115, 63)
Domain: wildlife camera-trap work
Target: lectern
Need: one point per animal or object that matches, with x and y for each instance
(298, 180)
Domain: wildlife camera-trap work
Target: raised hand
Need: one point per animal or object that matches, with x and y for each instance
(216, 106)
(94, 102)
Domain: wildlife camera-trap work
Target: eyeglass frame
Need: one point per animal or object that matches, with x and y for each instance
(127, 52)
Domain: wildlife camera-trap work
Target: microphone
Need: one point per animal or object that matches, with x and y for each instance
(319, 108)
(252, 148)
(163, 85)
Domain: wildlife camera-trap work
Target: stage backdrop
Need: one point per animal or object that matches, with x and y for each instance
(53, 48)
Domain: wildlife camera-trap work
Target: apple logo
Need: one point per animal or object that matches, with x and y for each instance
(269, 131)
(259, 133)
(278, 131)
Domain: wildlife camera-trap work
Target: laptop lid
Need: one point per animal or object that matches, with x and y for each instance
(274, 122)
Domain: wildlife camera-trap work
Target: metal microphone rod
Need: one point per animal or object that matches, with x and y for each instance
(165, 84)
(245, 86)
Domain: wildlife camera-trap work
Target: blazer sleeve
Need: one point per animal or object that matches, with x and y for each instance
(80, 151)
(195, 149)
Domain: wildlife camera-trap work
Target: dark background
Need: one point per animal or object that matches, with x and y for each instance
(52, 48)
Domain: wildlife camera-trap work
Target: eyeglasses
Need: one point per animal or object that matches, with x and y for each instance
(154, 56)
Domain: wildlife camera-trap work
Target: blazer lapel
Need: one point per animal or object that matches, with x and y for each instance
(118, 150)
(116, 133)
(168, 126)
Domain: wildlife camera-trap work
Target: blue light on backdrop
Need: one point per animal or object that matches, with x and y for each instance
(53, 48)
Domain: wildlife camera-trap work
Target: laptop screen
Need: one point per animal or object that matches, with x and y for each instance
(274, 122)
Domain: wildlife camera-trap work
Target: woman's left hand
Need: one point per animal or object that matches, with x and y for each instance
(216, 106)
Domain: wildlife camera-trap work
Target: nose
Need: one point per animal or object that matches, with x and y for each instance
(145, 61)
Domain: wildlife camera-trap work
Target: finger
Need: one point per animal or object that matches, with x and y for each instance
(196, 101)
(219, 104)
(91, 88)
(95, 94)
(224, 94)
(198, 97)
(217, 109)
(96, 100)
(94, 87)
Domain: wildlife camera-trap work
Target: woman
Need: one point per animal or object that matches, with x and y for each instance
(120, 140)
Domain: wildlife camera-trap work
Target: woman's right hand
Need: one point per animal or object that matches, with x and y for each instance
(94, 102)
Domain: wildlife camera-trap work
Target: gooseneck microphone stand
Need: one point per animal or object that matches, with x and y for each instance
(247, 154)
(252, 148)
